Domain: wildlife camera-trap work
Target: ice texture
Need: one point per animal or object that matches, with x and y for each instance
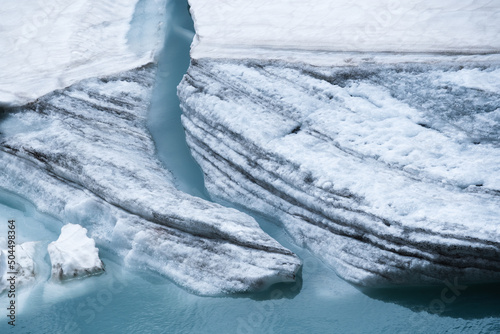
(84, 155)
(24, 267)
(74, 254)
(311, 30)
(389, 173)
(48, 45)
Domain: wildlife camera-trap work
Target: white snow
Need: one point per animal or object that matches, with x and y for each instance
(488, 80)
(48, 45)
(74, 254)
(310, 31)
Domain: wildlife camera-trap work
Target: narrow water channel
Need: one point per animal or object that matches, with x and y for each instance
(165, 114)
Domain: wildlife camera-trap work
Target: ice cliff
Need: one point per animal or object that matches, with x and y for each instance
(386, 162)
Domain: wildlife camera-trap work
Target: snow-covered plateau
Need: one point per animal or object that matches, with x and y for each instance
(370, 130)
(51, 44)
(343, 31)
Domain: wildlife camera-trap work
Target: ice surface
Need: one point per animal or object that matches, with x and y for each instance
(369, 128)
(25, 266)
(74, 254)
(48, 45)
(390, 173)
(309, 31)
(93, 163)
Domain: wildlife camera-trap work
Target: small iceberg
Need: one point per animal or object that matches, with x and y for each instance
(74, 254)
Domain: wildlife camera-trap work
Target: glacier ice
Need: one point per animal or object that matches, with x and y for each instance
(25, 267)
(74, 254)
(389, 173)
(74, 141)
(84, 154)
(387, 170)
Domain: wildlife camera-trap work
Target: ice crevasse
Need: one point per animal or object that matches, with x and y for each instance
(74, 141)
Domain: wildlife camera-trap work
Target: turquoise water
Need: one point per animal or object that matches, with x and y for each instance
(165, 115)
(124, 301)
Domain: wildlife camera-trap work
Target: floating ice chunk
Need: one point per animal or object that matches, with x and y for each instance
(49, 45)
(74, 254)
(24, 267)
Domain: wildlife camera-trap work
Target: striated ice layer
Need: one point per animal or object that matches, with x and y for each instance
(48, 45)
(309, 31)
(84, 155)
(74, 254)
(390, 174)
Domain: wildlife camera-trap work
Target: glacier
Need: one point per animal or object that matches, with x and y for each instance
(385, 186)
(347, 128)
(381, 155)
(315, 129)
(83, 154)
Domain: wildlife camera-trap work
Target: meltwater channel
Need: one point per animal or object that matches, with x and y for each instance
(125, 301)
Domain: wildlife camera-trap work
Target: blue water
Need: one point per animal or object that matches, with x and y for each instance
(125, 301)
(165, 115)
